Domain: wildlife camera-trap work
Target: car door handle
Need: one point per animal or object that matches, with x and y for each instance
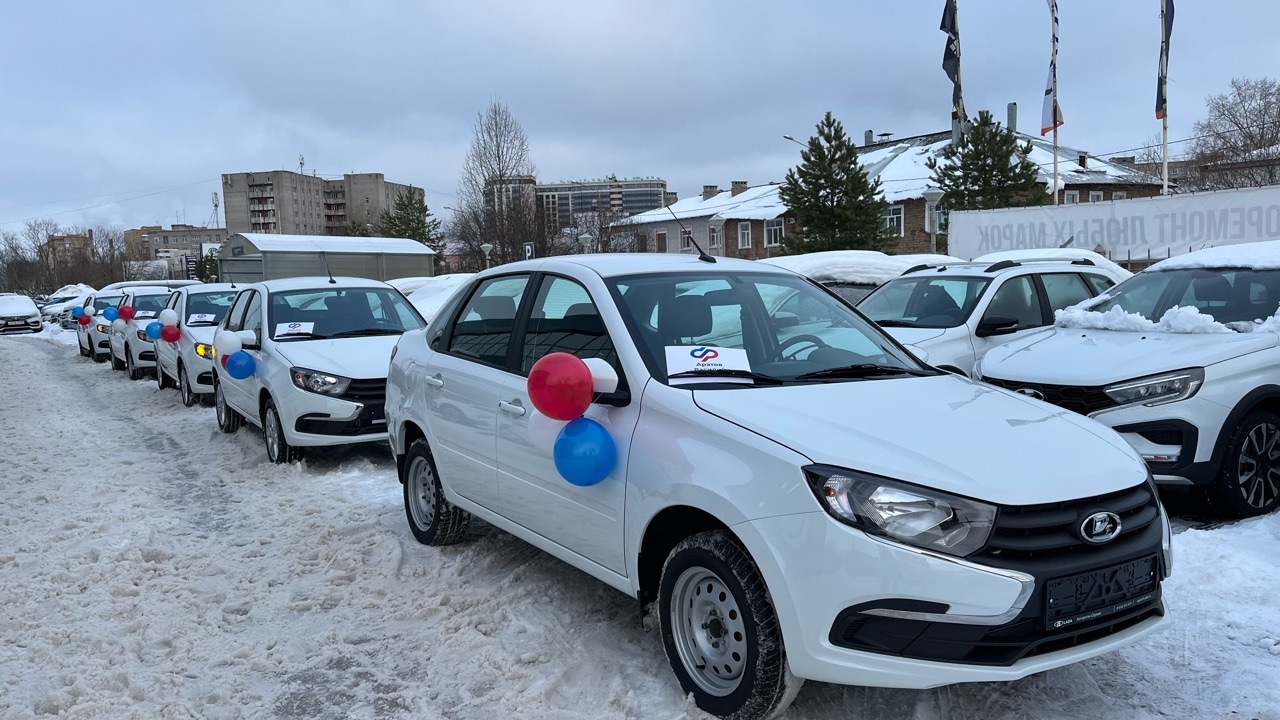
(434, 380)
(511, 408)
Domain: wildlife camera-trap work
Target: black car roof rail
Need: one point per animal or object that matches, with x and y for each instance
(1002, 265)
(1006, 264)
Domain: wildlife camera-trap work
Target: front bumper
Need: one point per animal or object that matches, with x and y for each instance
(10, 326)
(1176, 440)
(836, 588)
(144, 353)
(311, 419)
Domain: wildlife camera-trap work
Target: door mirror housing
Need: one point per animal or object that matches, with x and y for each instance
(996, 325)
(248, 338)
(785, 320)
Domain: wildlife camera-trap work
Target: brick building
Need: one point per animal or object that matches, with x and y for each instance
(290, 203)
(745, 222)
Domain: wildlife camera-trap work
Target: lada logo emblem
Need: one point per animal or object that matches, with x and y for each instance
(1031, 393)
(1100, 527)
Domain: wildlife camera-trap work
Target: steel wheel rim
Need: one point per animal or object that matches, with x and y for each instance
(708, 631)
(272, 426)
(422, 493)
(1258, 466)
(184, 387)
(220, 404)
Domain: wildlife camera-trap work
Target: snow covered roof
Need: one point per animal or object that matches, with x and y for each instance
(755, 203)
(434, 293)
(867, 267)
(1063, 253)
(334, 244)
(1256, 255)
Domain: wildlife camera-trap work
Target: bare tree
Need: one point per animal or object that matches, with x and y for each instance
(1238, 144)
(600, 231)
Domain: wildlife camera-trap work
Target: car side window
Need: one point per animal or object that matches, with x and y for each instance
(1099, 283)
(483, 328)
(1016, 298)
(253, 315)
(235, 317)
(564, 319)
(1064, 290)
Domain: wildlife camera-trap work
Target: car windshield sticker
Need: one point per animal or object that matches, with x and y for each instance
(201, 318)
(706, 358)
(144, 313)
(294, 328)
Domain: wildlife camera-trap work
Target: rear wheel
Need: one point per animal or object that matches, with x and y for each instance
(228, 420)
(1248, 482)
(189, 397)
(278, 448)
(720, 630)
(433, 520)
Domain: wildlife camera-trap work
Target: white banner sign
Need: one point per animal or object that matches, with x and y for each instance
(1139, 229)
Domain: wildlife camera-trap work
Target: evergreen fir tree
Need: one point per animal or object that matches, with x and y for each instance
(837, 205)
(986, 169)
(411, 218)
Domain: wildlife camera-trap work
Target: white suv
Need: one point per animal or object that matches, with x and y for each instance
(131, 349)
(795, 496)
(320, 348)
(1175, 360)
(188, 363)
(958, 312)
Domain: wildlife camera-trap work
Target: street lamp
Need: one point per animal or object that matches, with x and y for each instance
(788, 137)
(486, 248)
(585, 239)
(931, 198)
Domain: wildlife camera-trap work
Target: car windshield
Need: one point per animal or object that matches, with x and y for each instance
(102, 302)
(926, 301)
(758, 328)
(149, 303)
(340, 312)
(1228, 294)
(208, 308)
(852, 293)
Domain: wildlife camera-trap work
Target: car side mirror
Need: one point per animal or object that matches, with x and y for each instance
(996, 325)
(785, 320)
(604, 382)
(248, 338)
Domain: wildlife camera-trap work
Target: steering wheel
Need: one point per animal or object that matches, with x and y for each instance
(806, 340)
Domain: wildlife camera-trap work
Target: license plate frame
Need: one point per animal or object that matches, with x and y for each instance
(1097, 594)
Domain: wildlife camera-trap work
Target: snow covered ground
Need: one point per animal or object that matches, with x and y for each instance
(152, 567)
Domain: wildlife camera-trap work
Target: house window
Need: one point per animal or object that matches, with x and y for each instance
(1119, 195)
(1071, 197)
(660, 241)
(713, 237)
(686, 239)
(773, 232)
(1095, 196)
(893, 220)
(935, 220)
(744, 236)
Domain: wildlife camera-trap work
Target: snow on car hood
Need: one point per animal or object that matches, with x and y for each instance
(913, 336)
(942, 432)
(364, 358)
(1069, 356)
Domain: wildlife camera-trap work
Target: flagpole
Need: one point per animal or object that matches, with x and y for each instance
(1164, 115)
(1053, 65)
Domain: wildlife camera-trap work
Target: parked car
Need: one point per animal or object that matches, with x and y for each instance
(188, 363)
(958, 312)
(853, 274)
(793, 500)
(320, 348)
(1067, 254)
(18, 314)
(432, 295)
(95, 338)
(131, 349)
(1183, 360)
(406, 285)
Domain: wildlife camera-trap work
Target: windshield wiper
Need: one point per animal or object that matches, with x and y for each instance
(366, 332)
(895, 323)
(861, 370)
(202, 323)
(728, 373)
(299, 336)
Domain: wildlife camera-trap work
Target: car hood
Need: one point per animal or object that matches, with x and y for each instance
(914, 336)
(359, 357)
(942, 432)
(202, 333)
(1069, 356)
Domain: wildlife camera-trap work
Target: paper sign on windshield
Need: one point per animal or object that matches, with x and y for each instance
(699, 358)
(294, 328)
(201, 318)
(144, 313)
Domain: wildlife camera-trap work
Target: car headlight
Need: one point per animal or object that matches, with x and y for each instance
(103, 328)
(143, 336)
(319, 382)
(203, 350)
(918, 516)
(1157, 389)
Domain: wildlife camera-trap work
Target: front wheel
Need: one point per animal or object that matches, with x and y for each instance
(130, 366)
(162, 380)
(228, 420)
(433, 520)
(116, 363)
(720, 630)
(189, 397)
(1248, 482)
(278, 448)
(84, 351)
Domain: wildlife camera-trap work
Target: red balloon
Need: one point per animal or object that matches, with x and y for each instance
(224, 361)
(560, 386)
(170, 333)
(126, 312)
(84, 319)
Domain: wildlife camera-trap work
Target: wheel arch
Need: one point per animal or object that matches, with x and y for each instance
(663, 532)
(1264, 397)
(408, 432)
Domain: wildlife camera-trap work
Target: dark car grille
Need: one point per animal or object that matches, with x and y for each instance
(366, 390)
(1083, 400)
(1053, 529)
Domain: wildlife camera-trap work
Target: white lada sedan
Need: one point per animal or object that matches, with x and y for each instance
(188, 363)
(319, 350)
(792, 493)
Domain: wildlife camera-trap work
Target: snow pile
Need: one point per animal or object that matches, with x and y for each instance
(1175, 320)
(1255, 255)
(434, 293)
(1067, 254)
(928, 259)
(864, 267)
(72, 290)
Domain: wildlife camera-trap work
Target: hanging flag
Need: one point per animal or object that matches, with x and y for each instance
(951, 59)
(1163, 79)
(1051, 114)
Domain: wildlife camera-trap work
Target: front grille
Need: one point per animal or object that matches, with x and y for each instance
(1083, 400)
(1053, 529)
(366, 390)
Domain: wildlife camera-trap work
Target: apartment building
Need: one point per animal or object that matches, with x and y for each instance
(559, 202)
(290, 203)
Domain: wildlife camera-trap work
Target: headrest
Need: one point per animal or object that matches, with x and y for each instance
(685, 316)
(495, 308)
(581, 309)
(1211, 288)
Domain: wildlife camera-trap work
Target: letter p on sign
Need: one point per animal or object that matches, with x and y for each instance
(528, 251)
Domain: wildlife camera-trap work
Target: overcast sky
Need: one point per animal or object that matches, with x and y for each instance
(127, 113)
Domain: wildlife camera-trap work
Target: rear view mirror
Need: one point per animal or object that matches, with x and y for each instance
(785, 320)
(248, 338)
(996, 325)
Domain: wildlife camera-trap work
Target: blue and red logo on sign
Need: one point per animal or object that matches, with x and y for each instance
(704, 354)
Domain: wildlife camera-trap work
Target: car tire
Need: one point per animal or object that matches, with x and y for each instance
(163, 381)
(1248, 481)
(720, 630)
(433, 520)
(228, 420)
(84, 351)
(135, 373)
(189, 397)
(116, 363)
(279, 450)
(99, 357)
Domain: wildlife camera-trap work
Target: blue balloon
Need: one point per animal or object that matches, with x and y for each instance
(111, 314)
(584, 452)
(77, 311)
(153, 329)
(240, 365)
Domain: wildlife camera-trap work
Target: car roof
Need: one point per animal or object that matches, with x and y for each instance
(617, 264)
(320, 282)
(1005, 267)
(148, 290)
(210, 287)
